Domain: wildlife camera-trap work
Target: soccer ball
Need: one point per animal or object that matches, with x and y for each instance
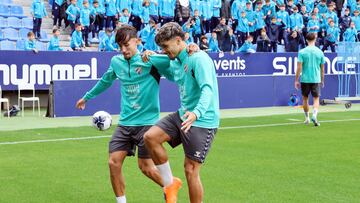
(101, 120)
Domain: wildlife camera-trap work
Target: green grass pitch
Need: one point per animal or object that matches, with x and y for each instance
(262, 159)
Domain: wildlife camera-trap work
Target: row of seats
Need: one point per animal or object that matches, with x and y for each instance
(20, 45)
(11, 10)
(6, 2)
(14, 22)
(14, 35)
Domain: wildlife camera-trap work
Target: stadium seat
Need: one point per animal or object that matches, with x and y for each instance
(20, 44)
(3, 23)
(6, 2)
(27, 86)
(44, 37)
(7, 45)
(17, 11)
(23, 33)
(6, 101)
(14, 22)
(101, 35)
(27, 23)
(11, 34)
(41, 46)
(1, 35)
(4, 10)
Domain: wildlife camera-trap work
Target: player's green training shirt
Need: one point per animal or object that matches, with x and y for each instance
(139, 87)
(311, 58)
(195, 75)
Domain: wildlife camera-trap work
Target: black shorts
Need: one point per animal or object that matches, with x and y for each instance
(313, 88)
(126, 138)
(196, 142)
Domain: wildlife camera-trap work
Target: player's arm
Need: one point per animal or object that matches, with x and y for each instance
(297, 76)
(105, 82)
(204, 78)
(322, 69)
(162, 63)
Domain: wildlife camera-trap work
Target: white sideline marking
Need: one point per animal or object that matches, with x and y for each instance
(291, 119)
(221, 128)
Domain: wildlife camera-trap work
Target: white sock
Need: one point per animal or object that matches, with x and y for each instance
(165, 173)
(121, 199)
(306, 115)
(315, 112)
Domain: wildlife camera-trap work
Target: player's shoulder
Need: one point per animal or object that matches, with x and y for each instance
(199, 55)
(119, 58)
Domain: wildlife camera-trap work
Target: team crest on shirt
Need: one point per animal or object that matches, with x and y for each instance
(138, 70)
(186, 68)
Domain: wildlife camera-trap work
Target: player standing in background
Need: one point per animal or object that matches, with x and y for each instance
(311, 67)
(194, 125)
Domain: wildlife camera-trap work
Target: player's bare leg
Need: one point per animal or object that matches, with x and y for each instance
(315, 111)
(148, 168)
(116, 160)
(192, 173)
(306, 109)
(154, 138)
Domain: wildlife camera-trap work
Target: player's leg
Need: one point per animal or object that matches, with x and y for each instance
(192, 173)
(196, 143)
(116, 160)
(148, 168)
(120, 146)
(164, 131)
(315, 92)
(305, 90)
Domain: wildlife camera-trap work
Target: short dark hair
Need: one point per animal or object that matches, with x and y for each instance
(77, 25)
(55, 30)
(125, 33)
(125, 9)
(29, 34)
(310, 36)
(169, 31)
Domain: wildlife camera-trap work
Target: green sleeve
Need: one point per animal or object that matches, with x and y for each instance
(204, 77)
(105, 82)
(162, 63)
(323, 59)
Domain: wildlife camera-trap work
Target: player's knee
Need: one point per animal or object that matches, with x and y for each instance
(114, 164)
(189, 170)
(146, 170)
(149, 138)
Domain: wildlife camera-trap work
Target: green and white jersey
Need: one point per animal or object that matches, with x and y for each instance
(311, 58)
(196, 78)
(139, 87)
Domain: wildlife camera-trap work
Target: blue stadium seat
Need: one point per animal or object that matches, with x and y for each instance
(23, 33)
(7, 45)
(17, 11)
(6, 2)
(20, 44)
(101, 35)
(27, 23)
(1, 35)
(11, 34)
(4, 10)
(41, 46)
(14, 22)
(3, 23)
(44, 37)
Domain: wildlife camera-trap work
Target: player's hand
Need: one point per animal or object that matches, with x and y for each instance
(190, 118)
(81, 104)
(322, 84)
(192, 48)
(146, 54)
(297, 85)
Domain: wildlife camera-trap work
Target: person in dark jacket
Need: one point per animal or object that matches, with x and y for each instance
(221, 29)
(183, 11)
(204, 45)
(273, 33)
(344, 23)
(225, 8)
(229, 43)
(339, 6)
(263, 42)
(294, 41)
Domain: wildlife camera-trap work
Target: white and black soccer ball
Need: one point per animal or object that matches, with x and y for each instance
(101, 120)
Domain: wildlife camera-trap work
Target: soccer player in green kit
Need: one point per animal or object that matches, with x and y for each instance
(140, 108)
(195, 124)
(311, 67)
